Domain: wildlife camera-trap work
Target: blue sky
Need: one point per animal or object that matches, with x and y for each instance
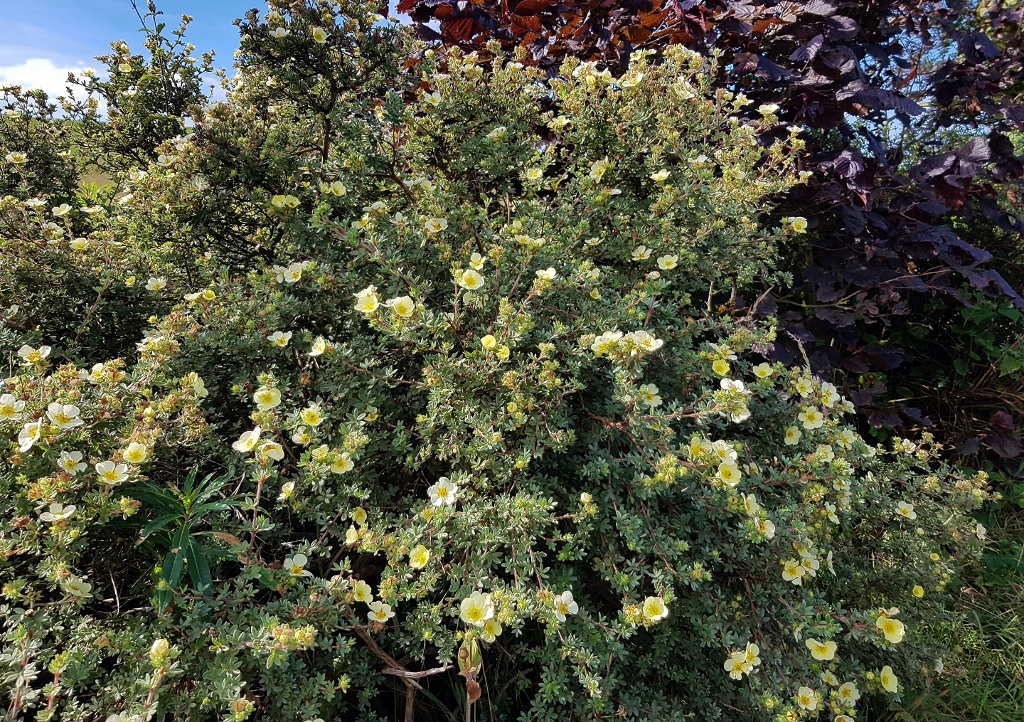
(41, 40)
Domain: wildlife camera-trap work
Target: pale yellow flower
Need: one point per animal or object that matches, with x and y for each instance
(667, 263)
(491, 630)
(470, 280)
(489, 342)
(270, 450)
(312, 415)
(57, 513)
(435, 225)
(906, 510)
(343, 464)
(71, 462)
(295, 566)
(797, 223)
(654, 609)
(64, 416)
(807, 698)
(476, 609)
(136, 453)
(367, 300)
(823, 651)
(763, 370)
(848, 694)
(565, 605)
(247, 441)
(29, 435)
(890, 681)
(419, 556)
(362, 592)
(319, 35)
(318, 347)
(402, 306)
(443, 493)
(720, 367)
(892, 629)
(793, 435)
(266, 398)
(793, 571)
(811, 418)
(534, 174)
(917, 591)
(661, 175)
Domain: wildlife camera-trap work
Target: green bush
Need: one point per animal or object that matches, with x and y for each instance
(453, 400)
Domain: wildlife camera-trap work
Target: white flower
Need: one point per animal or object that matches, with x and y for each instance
(564, 606)
(57, 513)
(278, 33)
(79, 244)
(667, 263)
(270, 450)
(443, 493)
(247, 441)
(295, 566)
(280, 339)
(318, 347)
(476, 609)
(319, 35)
(64, 416)
(71, 462)
(62, 210)
(648, 394)
(661, 175)
(29, 435)
(76, 587)
(17, 157)
(112, 473)
(380, 612)
(641, 253)
(435, 225)
(906, 510)
(31, 355)
(156, 283)
(362, 592)
(10, 408)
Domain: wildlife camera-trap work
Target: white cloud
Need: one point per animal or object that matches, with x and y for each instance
(39, 73)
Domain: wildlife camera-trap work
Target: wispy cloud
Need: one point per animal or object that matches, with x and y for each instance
(40, 73)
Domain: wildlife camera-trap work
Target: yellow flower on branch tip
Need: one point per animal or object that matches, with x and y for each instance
(79, 244)
(319, 35)
(797, 223)
(359, 515)
(156, 283)
(890, 681)
(247, 441)
(367, 300)
(136, 453)
(667, 263)
(534, 174)
(16, 157)
(654, 609)
(362, 592)
(287, 491)
(380, 612)
(419, 556)
(312, 415)
(807, 698)
(470, 280)
(793, 435)
(342, 465)
(402, 306)
(112, 473)
(476, 609)
(917, 591)
(489, 342)
(351, 536)
(266, 398)
(720, 367)
(661, 175)
(730, 474)
(811, 418)
(641, 253)
(893, 629)
(822, 651)
(270, 450)
(763, 370)
(491, 630)
(793, 571)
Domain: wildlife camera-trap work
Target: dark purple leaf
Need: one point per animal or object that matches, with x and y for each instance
(1001, 422)
(1005, 445)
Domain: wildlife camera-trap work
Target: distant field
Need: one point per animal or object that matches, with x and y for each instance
(97, 177)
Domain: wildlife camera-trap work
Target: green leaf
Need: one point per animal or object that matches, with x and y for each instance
(157, 524)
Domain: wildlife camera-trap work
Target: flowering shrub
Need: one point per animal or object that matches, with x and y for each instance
(452, 421)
